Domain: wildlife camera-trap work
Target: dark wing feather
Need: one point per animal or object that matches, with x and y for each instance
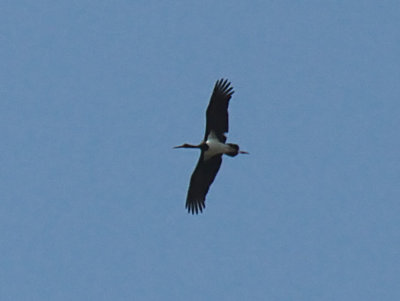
(202, 177)
(217, 110)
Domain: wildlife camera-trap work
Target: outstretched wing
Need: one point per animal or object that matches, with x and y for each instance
(202, 177)
(217, 110)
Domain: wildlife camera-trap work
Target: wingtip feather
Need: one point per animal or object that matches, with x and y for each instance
(195, 207)
(224, 86)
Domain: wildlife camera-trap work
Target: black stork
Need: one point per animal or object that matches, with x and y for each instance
(212, 147)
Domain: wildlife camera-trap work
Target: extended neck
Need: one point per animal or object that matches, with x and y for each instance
(186, 145)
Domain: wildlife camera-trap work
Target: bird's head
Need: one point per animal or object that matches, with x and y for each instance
(186, 145)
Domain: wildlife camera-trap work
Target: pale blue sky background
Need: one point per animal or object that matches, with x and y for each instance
(94, 94)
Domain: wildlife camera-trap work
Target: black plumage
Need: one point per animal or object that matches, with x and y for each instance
(217, 124)
(217, 117)
(201, 180)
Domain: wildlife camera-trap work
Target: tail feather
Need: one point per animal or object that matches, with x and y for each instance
(235, 150)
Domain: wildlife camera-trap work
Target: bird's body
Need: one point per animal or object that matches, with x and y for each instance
(216, 147)
(212, 147)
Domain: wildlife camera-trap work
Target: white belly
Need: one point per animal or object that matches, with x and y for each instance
(215, 147)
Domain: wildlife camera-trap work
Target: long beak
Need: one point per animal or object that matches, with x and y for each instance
(243, 152)
(185, 145)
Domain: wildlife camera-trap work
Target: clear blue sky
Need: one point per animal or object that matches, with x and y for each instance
(94, 94)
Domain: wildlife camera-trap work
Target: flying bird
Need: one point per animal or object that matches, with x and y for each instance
(212, 147)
